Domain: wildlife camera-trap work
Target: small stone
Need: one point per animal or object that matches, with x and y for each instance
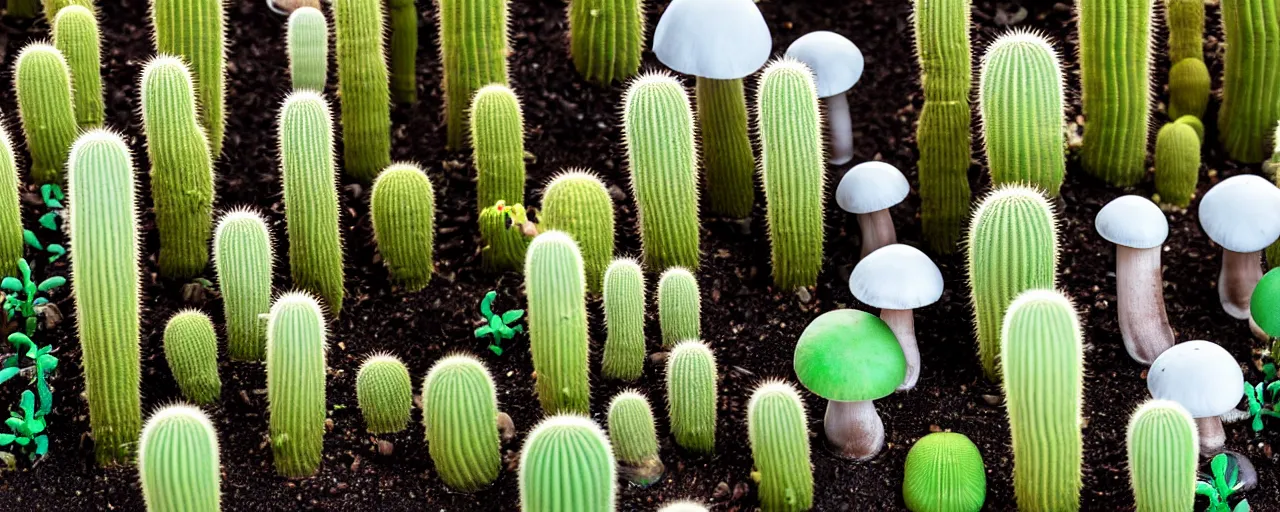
(804, 295)
(722, 490)
(657, 358)
(739, 491)
(993, 400)
(355, 464)
(328, 424)
(506, 427)
(385, 448)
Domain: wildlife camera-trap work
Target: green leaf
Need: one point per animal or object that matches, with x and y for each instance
(42, 445)
(14, 424)
(49, 221)
(51, 283)
(486, 304)
(519, 329)
(11, 284)
(57, 251)
(45, 362)
(512, 316)
(7, 439)
(1257, 423)
(484, 331)
(1206, 489)
(506, 333)
(20, 340)
(30, 238)
(1243, 506)
(9, 373)
(496, 349)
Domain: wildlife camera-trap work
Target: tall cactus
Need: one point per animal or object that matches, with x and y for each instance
(311, 196)
(403, 212)
(194, 30)
(384, 392)
(1043, 359)
(404, 50)
(779, 433)
(792, 170)
(103, 229)
(942, 48)
(1250, 78)
(497, 141)
(178, 462)
(296, 374)
(1164, 457)
(634, 437)
(692, 395)
(363, 88)
(577, 202)
(1021, 101)
(606, 38)
(555, 287)
(52, 7)
(657, 125)
(308, 44)
(727, 155)
(460, 413)
(504, 246)
(567, 464)
(11, 243)
(191, 350)
(679, 307)
(1012, 247)
(243, 257)
(75, 34)
(1115, 62)
(42, 83)
(1177, 163)
(624, 320)
(181, 167)
(1188, 78)
(473, 53)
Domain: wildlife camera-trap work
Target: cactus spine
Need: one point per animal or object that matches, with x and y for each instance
(942, 48)
(75, 34)
(473, 53)
(567, 464)
(497, 139)
(460, 413)
(555, 288)
(634, 437)
(1177, 163)
(679, 307)
(52, 7)
(1164, 456)
(384, 393)
(792, 169)
(296, 370)
(1115, 55)
(624, 320)
(243, 257)
(944, 473)
(727, 156)
(657, 126)
(194, 31)
(1021, 102)
(692, 396)
(178, 462)
(311, 196)
(1013, 246)
(181, 168)
(191, 349)
(504, 245)
(1043, 360)
(578, 203)
(1250, 75)
(308, 42)
(779, 434)
(43, 88)
(606, 38)
(11, 244)
(403, 213)
(404, 50)
(362, 85)
(104, 232)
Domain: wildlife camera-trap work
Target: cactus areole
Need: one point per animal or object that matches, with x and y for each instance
(1138, 228)
(1203, 378)
(898, 279)
(868, 190)
(837, 65)
(1242, 214)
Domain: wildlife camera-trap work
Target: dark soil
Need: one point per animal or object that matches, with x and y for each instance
(752, 326)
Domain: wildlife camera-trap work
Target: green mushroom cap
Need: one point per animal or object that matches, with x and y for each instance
(1265, 304)
(848, 355)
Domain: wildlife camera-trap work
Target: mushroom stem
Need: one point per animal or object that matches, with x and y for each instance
(1212, 437)
(1240, 273)
(839, 128)
(877, 231)
(1140, 294)
(854, 429)
(903, 324)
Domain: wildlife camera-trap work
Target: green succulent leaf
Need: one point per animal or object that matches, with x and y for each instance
(486, 304)
(512, 316)
(1206, 489)
(11, 284)
(484, 331)
(49, 221)
(52, 283)
(56, 251)
(29, 237)
(7, 439)
(42, 446)
(9, 373)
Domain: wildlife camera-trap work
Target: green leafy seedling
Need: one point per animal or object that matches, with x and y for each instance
(1259, 396)
(26, 427)
(51, 194)
(42, 362)
(21, 302)
(1221, 485)
(498, 325)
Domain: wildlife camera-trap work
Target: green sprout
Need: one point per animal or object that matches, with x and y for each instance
(1262, 395)
(498, 325)
(52, 196)
(26, 427)
(1219, 487)
(21, 302)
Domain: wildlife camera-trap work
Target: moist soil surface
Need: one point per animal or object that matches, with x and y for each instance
(752, 326)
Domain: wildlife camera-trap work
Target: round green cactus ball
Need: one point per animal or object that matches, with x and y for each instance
(385, 394)
(944, 473)
(1265, 304)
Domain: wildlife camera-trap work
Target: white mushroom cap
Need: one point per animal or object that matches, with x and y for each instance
(1242, 213)
(836, 62)
(896, 276)
(1200, 375)
(718, 39)
(870, 187)
(1132, 221)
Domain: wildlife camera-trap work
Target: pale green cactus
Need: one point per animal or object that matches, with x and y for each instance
(504, 246)
(194, 30)
(606, 38)
(75, 34)
(53, 7)
(404, 49)
(634, 438)
(42, 83)
(308, 43)
(1164, 457)
(311, 196)
(178, 461)
(679, 307)
(363, 87)
(1021, 100)
(779, 433)
(567, 464)
(577, 202)
(11, 243)
(692, 395)
(473, 53)
(296, 373)
(624, 303)
(726, 145)
(497, 141)
(1115, 76)
(556, 291)
(460, 414)
(243, 256)
(942, 48)
(191, 349)
(384, 393)
(1177, 163)
(403, 212)
(1188, 78)
(1250, 98)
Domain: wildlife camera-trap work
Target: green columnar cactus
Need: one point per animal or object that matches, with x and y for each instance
(473, 53)
(103, 227)
(296, 374)
(460, 413)
(363, 87)
(52, 7)
(657, 125)
(308, 43)
(1021, 102)
(11, 243)
(944, 473)
(191, 349)
(1043, 359)
(792, 170)
(606, 38)
(42, 83)
(1188, 88)
(1188, 78)
(624, 320)
(22, 8)
(1177, 163)
(1115, 53)
(404, 50)
(504, 245)
(779, 435)
(942, 48)
(692, 395)
(726, 147)
(555, 288)
(634, 437)
(194, 31)
(1013, 246)
(578, 203)
(75, 34)
(181, 168)
(403, 212)
(567, 464)
(1250, 98)
(384, 393)
(311, 196)
(497, 141)
(243, 257)
(1164, 456)
(679, 307)
(178, 462)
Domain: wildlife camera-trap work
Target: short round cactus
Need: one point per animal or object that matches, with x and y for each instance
(944, 473)
(191, 349)
(385, 394)
(1177, 163)
(460, 413)
(692, 396)
(243, 256)
(403, 213)
(624, 303)
(578, 203)
(679, 307)
(567, 464)
(296, 373)
(779, 434)
(1189, 87)
(504, 245)
(178, 463)
(1164, 457)
(634, 437)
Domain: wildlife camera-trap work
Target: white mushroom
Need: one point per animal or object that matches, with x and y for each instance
(715, 39)
(897, 279)
(1138, 228)
(1242, 214)
(1206, 380)
(869, 189)
(837, 65)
